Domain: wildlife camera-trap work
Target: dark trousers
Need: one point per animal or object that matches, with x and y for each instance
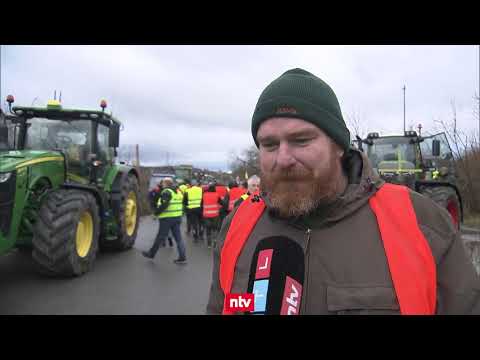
(223, 215)
(211, 227)
(170, 241)
(166, 225)
(196, 218)
(189, 220)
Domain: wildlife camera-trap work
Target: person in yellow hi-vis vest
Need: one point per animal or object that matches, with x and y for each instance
(192, 200)
(183, 187)
(169, 211)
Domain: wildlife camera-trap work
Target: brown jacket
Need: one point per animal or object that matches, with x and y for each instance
(346, 270)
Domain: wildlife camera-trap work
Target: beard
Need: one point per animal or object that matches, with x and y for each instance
(299, 191)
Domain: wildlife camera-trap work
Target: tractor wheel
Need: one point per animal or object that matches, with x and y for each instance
(128, 217)
(65, 239)
(447, 198)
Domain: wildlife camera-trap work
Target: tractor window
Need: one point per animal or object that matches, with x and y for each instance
(13, 132)
(46, 134)
(73, 137)
(391, 151)
(104, 152)
(445, 151)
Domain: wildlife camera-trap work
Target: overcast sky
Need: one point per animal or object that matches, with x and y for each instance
(196, 102)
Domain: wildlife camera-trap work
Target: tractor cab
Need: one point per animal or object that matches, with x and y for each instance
(408, 154)
(393, 154)
(86, 139)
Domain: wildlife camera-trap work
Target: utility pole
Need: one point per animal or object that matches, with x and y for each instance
(478, 97)
(137, 157)
(404, 88)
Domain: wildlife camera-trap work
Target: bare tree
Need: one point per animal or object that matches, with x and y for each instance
(232, 159)
(246, 163)
(354, 122)
(465, 158)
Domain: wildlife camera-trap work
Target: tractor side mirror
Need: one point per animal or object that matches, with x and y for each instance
(3, 135)
(114, 135)
(436, 147)
(360, 143)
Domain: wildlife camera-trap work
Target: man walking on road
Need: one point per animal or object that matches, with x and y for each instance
(169, 211)
(153, 196)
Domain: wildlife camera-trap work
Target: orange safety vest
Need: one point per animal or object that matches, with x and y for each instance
(235, 194)
(211, 207)
(410, 260)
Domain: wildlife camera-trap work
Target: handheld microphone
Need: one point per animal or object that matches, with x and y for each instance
(276, 276)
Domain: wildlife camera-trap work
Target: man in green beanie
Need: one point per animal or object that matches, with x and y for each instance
(327, 235)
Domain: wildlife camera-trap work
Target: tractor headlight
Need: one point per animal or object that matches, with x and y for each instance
(4, 177)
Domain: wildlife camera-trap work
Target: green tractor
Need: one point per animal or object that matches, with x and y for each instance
(424, 164)
(62, 197)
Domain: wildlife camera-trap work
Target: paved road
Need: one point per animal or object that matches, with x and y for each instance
(120, 283)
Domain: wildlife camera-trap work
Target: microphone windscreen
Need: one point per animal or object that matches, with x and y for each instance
(276, 276)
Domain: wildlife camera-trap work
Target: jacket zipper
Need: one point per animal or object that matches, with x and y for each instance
(307, 263)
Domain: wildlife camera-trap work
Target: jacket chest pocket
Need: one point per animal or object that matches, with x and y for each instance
(362, 300)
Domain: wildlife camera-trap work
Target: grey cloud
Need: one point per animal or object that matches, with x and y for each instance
(197, 101)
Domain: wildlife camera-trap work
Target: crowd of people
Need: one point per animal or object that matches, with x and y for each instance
(204, 206)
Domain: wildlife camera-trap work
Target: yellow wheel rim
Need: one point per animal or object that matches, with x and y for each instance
(84, 236)
(131, 213)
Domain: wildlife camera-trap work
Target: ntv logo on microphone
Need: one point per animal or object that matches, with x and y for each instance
(239, 302)
(292, 296)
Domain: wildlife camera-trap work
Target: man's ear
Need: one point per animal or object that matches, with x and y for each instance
(339, 151)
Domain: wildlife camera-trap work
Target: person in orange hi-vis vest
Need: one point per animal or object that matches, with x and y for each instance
(327, 235)
(211, 204)
(233, 195)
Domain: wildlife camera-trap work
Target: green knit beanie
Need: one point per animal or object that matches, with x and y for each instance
(300, 94)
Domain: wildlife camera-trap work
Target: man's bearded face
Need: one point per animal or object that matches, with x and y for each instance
(300, 165)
